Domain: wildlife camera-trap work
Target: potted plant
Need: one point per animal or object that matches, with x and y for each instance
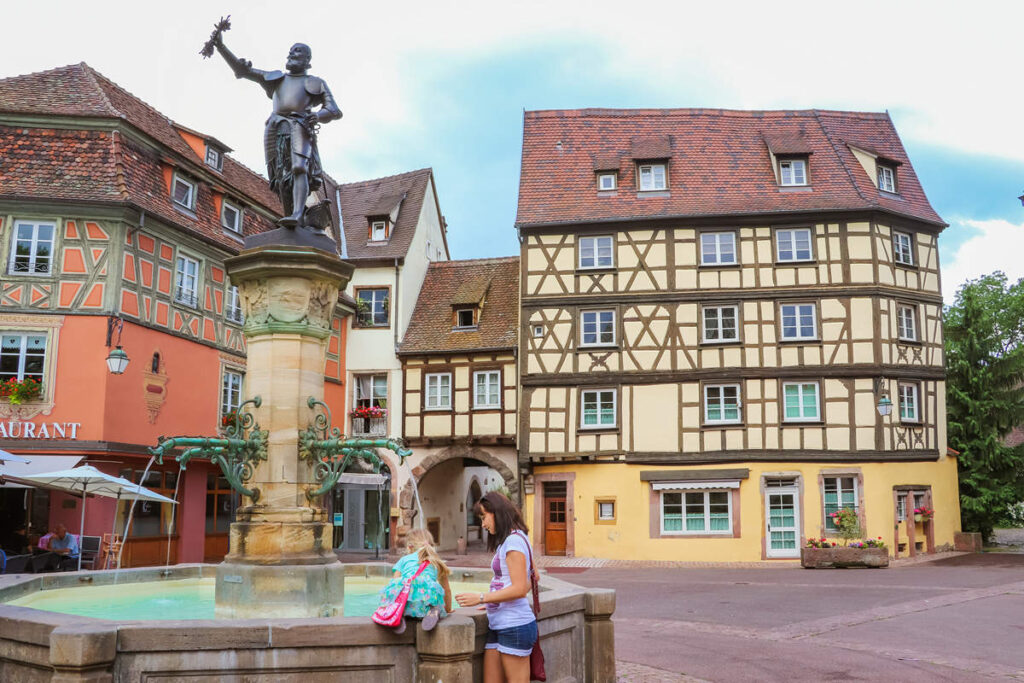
(18, 391)
(923, 514)
(230, 419)
(821, 553)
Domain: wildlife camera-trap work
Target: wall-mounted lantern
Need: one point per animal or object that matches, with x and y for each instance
(117, 359)
(884, 402)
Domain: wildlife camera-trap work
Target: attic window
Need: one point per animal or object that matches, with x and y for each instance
(183, 192)
(606, 181)
(792, 171)
(465, 317)
(214, 157)
(379, 231)
(652, 177)
(886, 178)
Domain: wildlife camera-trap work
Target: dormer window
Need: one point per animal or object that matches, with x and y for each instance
(214, 157)
(653, 177)
(379, 231)
(465, 318)
(231, 217)
(792, 172)
(183, 192)
(607, 181)
(886, 178)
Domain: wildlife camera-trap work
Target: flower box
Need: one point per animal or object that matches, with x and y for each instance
(842, 557)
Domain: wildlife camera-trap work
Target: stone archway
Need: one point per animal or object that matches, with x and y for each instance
(406, 498)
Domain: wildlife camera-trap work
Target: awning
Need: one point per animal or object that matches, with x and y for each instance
(693, 485)
(368, 479)
(39, 464)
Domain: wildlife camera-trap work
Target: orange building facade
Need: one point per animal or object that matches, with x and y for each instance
(114, 227)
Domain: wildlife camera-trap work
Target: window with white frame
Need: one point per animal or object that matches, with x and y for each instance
(722, 404)
(231, 216)
(606, 181)
(32, 248)
(372, 307)
(186, 281)
(214, 159)
(605, 510)
(903, 248)
(598, 328)
(439, 391)
(717, 248)
(696, 512)
(721, 324)
(598, 408)
(901, 507)
(652, 177)
(906, 322)
(371, 391)
(793, 244)
(886, 178)
(487, 389)
(230, 392)
(596, 252)
(910, 408)
(378, 231)
(22, 356)
(183, 192)
(464, 318)
(799, 321)
(233, 305)
(800, 402)
(839, 492)
(792, 172)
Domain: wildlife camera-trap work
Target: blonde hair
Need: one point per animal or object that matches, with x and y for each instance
(421, 540)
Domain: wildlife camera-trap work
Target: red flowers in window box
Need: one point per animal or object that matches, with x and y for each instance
(230, 419)
(17, 391)
(369, 412)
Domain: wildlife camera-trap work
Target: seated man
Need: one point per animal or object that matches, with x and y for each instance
(65, 545)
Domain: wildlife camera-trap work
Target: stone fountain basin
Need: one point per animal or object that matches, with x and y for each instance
(35, 645)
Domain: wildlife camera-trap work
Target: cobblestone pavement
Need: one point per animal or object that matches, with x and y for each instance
(630, 672)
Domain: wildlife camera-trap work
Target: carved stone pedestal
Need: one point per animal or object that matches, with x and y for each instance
(280, 560)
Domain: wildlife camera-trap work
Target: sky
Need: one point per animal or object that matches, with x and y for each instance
(444, 84)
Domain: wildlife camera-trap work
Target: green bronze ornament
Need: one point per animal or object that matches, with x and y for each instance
(330, 453)
(237, 454)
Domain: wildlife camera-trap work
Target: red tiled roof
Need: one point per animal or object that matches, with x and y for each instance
(719, 164)
(100, 165)
(495, 281)
(368, 198)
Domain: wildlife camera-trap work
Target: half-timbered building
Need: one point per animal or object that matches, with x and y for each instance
(716, 308)
(460, 398)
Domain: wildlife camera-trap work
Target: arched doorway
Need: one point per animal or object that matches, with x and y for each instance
(361, 510)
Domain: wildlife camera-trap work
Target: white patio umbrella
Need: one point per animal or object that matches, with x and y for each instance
(89, 480)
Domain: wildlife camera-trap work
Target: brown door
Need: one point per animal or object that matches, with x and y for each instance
(554, 518)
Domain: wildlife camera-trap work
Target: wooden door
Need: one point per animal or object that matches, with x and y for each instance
(555, 512)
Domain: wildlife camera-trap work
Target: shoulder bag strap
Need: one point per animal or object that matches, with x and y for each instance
(534, 587)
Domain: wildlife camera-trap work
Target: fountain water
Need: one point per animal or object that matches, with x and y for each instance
(416, 497)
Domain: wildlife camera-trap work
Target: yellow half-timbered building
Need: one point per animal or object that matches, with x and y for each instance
(717, 308)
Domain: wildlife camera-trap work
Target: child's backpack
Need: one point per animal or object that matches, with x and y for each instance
(391, 614)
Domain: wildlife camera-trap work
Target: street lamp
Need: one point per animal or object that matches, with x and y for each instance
(884, 406)
(117, 359)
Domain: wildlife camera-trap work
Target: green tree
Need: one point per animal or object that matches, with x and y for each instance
(984, 331)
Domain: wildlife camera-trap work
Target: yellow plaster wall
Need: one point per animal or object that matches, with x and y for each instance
(629, 537)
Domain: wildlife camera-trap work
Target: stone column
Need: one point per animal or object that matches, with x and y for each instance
(599, 635)
(81, 653)
(446, 653)
(281, 561)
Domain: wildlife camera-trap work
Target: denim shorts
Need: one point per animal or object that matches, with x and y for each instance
(514, 640)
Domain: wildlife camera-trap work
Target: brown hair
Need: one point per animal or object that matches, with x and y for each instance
(506, 517)
(421, 540)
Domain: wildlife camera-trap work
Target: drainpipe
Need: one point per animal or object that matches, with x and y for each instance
(394, 304)
(341, 226)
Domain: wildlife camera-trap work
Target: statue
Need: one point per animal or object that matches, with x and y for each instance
(289, 138)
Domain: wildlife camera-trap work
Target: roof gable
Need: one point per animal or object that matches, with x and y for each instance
(399, 198)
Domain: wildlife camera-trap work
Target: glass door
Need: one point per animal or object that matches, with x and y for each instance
(783, 534)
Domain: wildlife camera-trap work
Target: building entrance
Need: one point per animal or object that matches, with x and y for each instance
(361, 512)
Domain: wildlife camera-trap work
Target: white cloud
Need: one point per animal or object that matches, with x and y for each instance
(995, 245)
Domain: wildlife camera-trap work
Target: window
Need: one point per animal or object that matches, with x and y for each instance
(464, 317)
(155, 519)
(598, 328)
(230, 391)
(801, 402)
(378, 231)
(221, 503)
(371, 391)
(214, 158)
(487, 392)
(901, 507)
(605, 510)
(22, 356)
(792, 172)
(32, 252)
(722, 404)
(596, 252)
(183, 192)
(886, 179)
(538, 331)
(232, 306)
(717, 248)
(231, 217)
(186, 282)
(909, 405)
(652, 177)
(720, 324)
(598, 408)
(372, 307)
(696, 512)
(799, 321)
(903, 249)
(793, 244)
(439, 392)
(906, 323)
(839, 493)
(606, 181)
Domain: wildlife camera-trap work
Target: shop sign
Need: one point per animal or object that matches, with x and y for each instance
(15, 429)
